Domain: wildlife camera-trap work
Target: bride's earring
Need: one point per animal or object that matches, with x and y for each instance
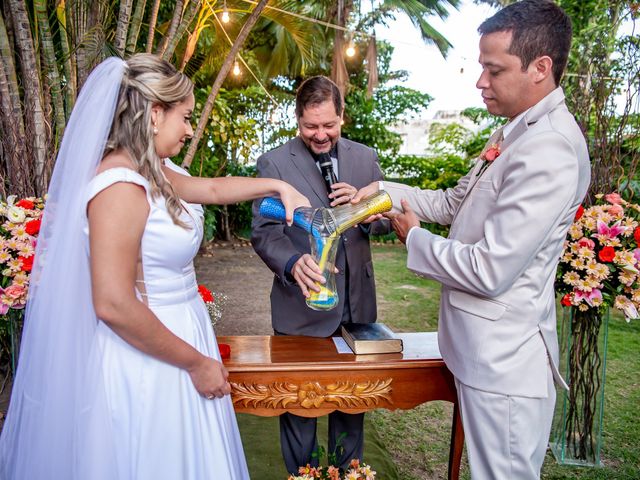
(155, 129)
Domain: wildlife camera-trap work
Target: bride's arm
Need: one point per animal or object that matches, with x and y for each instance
(226, 190)
(117, 218)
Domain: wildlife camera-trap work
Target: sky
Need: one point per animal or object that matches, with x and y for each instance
(450, 81)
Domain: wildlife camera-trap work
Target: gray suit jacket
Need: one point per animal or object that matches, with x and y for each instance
(497, 326)
(276, 243)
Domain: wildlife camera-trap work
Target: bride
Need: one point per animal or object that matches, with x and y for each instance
(119, 373)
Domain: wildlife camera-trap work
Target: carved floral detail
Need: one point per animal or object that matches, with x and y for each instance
(311, 395)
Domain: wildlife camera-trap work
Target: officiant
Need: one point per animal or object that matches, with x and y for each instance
(329, 170)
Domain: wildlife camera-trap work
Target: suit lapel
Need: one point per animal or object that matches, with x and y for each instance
(302, 160)
(543, 107)
(345, 166)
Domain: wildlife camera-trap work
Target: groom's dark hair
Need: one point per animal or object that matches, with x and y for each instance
(538, 27)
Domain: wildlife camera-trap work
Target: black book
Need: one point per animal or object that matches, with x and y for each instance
(370, 338)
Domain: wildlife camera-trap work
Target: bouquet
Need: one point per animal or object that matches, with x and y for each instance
(214, 306)
(214, 303)
(600, 264)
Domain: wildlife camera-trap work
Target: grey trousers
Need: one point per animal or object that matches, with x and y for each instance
(298, 439)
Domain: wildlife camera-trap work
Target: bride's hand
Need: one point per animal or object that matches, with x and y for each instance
(210, 378)
(292, 199)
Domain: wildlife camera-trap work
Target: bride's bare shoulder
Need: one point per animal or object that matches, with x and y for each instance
(115, 159)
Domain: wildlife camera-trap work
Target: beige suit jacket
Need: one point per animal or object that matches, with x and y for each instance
(497, 326)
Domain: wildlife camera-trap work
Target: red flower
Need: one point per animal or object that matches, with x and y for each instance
(32, 227)
(27, 204)
(566, 300)
(607, 254)
(225, 350)
(579, 213)
(27, 263)
(205, 293)
(636, 235)
(491, 153)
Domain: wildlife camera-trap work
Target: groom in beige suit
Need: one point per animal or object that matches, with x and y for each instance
(509, 218)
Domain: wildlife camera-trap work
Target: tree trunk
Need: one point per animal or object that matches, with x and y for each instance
(187, 19)
(152, 25)
(134, 29)
(175, 21)
(68, 60)
(12, 125)
(222, 74)
(52, 73)
(36, 131)
(124, 16)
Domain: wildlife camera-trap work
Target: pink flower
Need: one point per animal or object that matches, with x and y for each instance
(613, 198)
(14, 291)
(608, 233)
(616, 210)
(491, 153)
(636, 254)
(587, 242)
(587, 296)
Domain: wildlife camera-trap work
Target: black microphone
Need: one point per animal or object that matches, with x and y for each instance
(326, 168)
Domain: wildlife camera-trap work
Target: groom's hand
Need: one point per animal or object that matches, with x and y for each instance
(403, 222)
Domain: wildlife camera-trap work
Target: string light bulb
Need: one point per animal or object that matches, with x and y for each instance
(236, 69)
(351, 50)
(225, 13)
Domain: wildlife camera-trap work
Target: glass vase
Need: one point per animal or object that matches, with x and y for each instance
(324, 251)
(576, 433)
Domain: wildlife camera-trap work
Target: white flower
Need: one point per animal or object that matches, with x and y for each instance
(16, 214)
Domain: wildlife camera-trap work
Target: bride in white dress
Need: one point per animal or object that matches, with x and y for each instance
(119, 375)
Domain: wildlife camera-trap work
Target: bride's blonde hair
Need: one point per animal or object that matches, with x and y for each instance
(148, 81)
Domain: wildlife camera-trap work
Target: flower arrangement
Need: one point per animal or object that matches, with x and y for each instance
(600, 264)
(19, 227)
(18, 232)
(599, 269)
(356, 471)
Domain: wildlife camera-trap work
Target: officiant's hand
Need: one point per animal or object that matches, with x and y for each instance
(307, 274)
(342, 193)
(403, 222)
(210, 378)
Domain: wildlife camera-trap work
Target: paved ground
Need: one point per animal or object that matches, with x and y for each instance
(240, 275)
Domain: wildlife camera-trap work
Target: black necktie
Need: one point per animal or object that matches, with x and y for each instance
(326, 169)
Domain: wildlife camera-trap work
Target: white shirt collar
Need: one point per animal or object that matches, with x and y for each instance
(508, 128)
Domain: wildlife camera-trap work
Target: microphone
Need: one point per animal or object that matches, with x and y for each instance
(326, 168)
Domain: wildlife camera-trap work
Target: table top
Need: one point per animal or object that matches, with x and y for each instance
(290, 353)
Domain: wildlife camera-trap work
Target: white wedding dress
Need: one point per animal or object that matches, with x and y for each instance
(161, 427)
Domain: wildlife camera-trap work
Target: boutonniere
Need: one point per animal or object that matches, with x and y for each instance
(488, 156)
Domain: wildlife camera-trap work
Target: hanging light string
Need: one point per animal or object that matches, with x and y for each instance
(239, 57)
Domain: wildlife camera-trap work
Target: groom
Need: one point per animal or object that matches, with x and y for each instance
(509, 217)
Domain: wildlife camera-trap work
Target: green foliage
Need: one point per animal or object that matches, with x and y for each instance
(368, 119)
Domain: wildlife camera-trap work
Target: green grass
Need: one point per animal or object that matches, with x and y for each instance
(419, 439)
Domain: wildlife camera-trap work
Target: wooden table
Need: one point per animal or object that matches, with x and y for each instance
(306, 376)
